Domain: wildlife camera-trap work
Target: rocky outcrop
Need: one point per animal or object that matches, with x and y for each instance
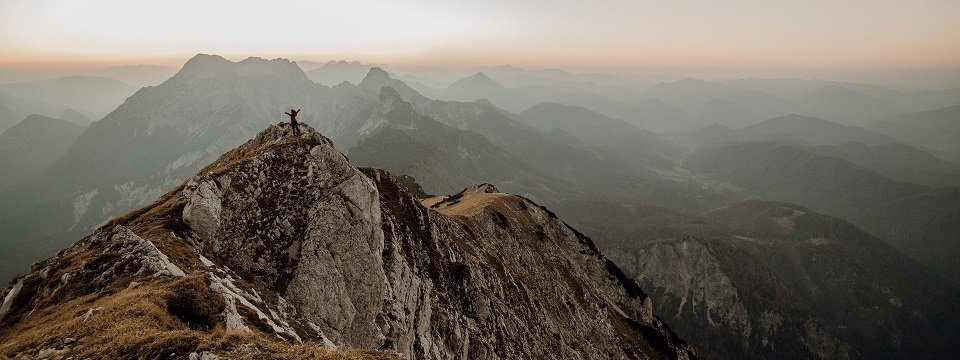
(777, 281)
(283, 241)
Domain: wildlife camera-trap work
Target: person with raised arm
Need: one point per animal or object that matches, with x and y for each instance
(293, 121)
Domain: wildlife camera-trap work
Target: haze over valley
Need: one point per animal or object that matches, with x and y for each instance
(490, 194)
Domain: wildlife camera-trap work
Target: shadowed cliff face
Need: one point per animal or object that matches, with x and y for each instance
(285, 245)
(778, 281)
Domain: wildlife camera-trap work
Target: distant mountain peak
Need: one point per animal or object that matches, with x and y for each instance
(375, 79)
(203, 66)
(484, 101)
(35, 121)
(376, 73)
(692, 81)
(205, 61)
(391, 101)
(476, 82)
(32, 118)
(391, 109)
(480, 76)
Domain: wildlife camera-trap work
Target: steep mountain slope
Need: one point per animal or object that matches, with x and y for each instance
(938, 130)
(33, 145)
(282, 240)
(127, 159)
(925, 226)
(881, 206)
(551, 157)
(777, 281)
(557, 156)
(441, 157)
(516, 158)
(639, 146)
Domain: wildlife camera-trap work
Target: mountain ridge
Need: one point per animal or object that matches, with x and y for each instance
(762, 279)
(339, 256)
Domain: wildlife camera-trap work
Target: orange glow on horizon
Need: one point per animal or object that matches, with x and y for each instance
(738, 34)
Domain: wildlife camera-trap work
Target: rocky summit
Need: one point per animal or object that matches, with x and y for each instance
(283, 249)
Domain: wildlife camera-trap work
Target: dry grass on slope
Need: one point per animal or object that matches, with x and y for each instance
(160, 318)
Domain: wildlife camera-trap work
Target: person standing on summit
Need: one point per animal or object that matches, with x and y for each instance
(293, 121)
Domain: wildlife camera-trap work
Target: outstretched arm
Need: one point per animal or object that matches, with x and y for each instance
(298, 111)
(288, 114)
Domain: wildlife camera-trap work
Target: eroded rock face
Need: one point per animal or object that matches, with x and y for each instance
(298, 244)
(364, 261)
(689, 271)
(778, 281)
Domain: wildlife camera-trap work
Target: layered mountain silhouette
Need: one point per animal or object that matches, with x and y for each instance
(93, 96)
(759, 279)
(657, 115)
(897, 161)
(938, 130)
(481, 86)
(14, 109)
(126, 159)
(733, 106)
(794, 128)
(441, 157)
(916, 219)
(212, 104)
(846, 105)
(335, 72)
(33, 145)
(283, 249)
(636, 145)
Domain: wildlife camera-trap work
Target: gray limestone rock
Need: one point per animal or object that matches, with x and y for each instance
(304, 246)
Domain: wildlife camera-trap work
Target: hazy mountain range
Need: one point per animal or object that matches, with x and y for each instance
(338, 256)
(768, 279)
(89, 95)
(838, 187)
(33, 145)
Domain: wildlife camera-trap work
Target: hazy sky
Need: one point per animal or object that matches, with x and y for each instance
(599, 33)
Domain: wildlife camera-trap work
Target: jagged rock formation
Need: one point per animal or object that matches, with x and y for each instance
(777, 281)
(126, 160)
(283, 241)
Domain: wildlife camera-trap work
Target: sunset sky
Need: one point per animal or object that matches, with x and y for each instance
(872, 34)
